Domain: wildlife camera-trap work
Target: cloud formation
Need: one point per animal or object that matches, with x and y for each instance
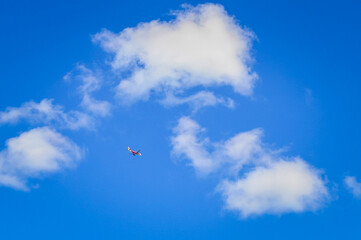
(198, 100)
(186, 143)
(276, 185)
(90, 83)
(353, 186)
(43, 150)
(206, 157)
(280, 187)
(45, 112)
(202, 46)
(35, 153)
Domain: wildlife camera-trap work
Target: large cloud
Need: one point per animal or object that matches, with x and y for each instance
(274, 186)
(34, 153)
(283, 186)
(202, 46)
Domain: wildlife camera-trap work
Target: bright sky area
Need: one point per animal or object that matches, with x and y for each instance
(246, 114)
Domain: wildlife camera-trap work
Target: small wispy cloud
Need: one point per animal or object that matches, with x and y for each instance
(90, 82)
(197, 101)
(36, 153)
(309, 96)
(276, 185)
(96, 107)
(202, 46)
(353, 186)
(45, 112)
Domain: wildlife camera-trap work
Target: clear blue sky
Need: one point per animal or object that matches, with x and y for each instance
(306, 100)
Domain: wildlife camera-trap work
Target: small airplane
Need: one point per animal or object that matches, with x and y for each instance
(134, 152)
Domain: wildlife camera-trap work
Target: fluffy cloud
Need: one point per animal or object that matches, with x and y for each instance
(90, 83)
(233, 153)
(274, 186)
(242, 149)
(353, 185)
(202, 46)
(46, 113)
(283, 186)
(35, 153)
(185, 142)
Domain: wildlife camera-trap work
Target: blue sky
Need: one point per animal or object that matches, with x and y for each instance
(246, 113)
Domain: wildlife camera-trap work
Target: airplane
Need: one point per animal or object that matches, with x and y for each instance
(134, 152)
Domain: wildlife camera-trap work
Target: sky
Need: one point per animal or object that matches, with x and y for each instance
(246, 114)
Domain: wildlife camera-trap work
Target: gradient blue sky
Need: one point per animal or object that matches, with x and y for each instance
(307, 57)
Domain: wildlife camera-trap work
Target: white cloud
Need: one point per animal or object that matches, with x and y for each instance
(234, 153)
(198, 100)
(35, 153)
(185, 142)
(46, 113)
(202, 46)
(90, 83)
(12, 181)
(97, 107)
(275, 185)
(242, 149)
(283, 186)
(353, 186)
